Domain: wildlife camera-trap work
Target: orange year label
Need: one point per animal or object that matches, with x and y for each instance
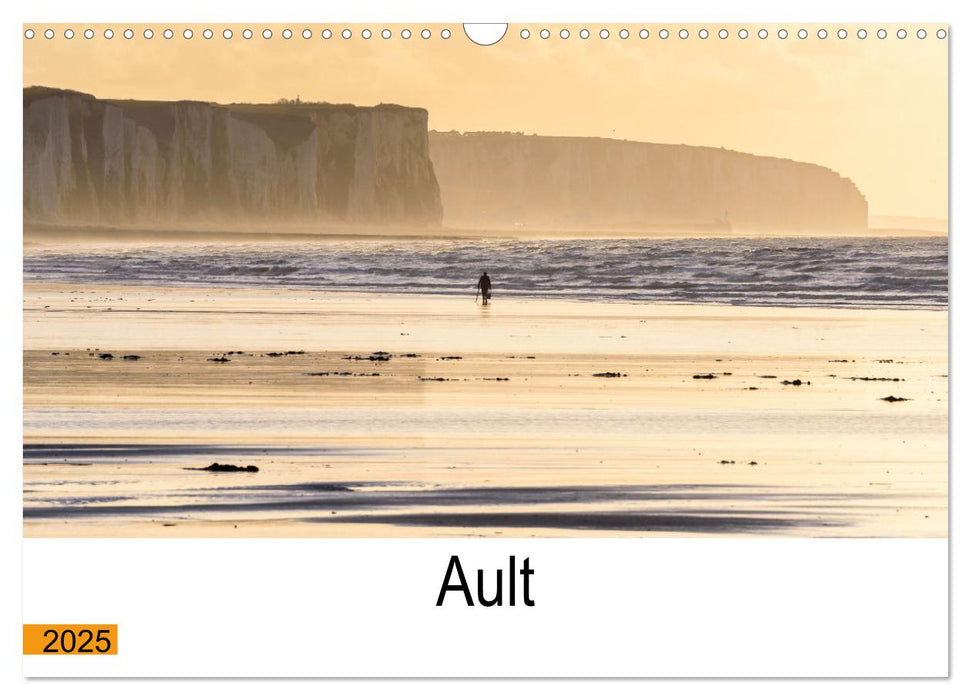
(71, 639)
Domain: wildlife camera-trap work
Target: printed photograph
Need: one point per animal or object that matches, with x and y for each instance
(583, 281)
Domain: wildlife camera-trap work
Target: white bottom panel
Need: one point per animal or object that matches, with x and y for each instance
(651, 607)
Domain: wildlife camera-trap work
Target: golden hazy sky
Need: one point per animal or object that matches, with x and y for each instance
(873, 110)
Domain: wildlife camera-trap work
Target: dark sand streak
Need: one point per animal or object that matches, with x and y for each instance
(630, 521)
(122, 450)
(332, 496)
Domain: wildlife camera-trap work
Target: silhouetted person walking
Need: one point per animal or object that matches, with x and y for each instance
(485, 288)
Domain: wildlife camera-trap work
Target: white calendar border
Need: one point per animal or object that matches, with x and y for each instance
(823, 10)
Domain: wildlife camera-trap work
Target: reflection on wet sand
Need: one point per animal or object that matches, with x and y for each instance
(381, 416)
(369, 502)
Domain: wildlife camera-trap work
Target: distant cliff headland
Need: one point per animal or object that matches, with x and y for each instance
(127, 163)
(509, 180)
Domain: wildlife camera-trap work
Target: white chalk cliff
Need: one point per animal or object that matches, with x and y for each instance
(186, 164)
(127, 162)
(508, 180)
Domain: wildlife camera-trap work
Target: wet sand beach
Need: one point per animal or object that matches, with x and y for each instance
(427, 415)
